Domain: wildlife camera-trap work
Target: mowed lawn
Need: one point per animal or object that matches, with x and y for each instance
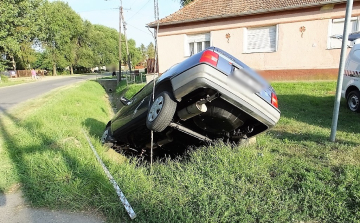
(292, 174)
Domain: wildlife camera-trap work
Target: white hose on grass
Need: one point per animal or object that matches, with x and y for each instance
(120, 194)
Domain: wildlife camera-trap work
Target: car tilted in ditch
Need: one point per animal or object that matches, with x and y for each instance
(209, 96)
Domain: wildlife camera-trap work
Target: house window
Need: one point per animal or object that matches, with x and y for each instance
(197, 43)
(337, 28)
(260, 39)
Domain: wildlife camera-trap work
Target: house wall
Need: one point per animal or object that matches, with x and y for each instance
(295, 54)
(171, 51)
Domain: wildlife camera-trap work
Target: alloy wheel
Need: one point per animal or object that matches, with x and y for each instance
(156, 108)
(353, 102)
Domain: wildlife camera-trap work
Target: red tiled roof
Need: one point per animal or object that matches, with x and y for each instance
(200, 10)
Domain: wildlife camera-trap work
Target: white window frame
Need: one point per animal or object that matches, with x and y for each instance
(331, 21)
(245, 42)
(195, 38)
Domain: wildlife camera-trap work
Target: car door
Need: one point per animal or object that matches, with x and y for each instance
(133, 115)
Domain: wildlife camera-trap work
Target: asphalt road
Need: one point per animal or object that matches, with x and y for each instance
(13, 95)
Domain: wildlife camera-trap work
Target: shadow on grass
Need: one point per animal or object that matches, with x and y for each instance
(172, 151)
(73, 185)
(95, 127)
(318, 111)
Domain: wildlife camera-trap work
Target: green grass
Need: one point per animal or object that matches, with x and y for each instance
(128, 90)
(292, 174)
(121, 88)
(14, 81)
(133, 89)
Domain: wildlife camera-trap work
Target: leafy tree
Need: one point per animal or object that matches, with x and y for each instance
(57, 34)
(19, 24)
(72, 49)
(150, 51)
(135, 53)
(185, 2)
(104, 44)
(26, 56)
(84, 54)
(142, 49)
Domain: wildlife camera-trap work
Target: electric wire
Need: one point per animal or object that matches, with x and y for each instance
(98, 10)
(139, 10)
(138, 28)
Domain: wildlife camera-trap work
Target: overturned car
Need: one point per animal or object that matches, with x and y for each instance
(209, 96)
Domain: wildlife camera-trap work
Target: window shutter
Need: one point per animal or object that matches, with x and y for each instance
(199, 47)
(261, 39)
(207, 44)
(191, 49)
(196, 43)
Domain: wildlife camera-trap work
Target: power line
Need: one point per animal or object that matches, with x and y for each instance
(138, 29)
(139, 10)
(133, 3)
(98, 10)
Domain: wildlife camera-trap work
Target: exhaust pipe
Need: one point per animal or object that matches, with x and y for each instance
(192, 111)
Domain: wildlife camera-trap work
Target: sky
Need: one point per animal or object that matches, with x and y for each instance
(137, 14)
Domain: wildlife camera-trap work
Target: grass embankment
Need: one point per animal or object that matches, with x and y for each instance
(292, 174)
(128, 90)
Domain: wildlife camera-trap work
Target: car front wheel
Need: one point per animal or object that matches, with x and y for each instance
(105, 138)
(161, 112)
(353, 101)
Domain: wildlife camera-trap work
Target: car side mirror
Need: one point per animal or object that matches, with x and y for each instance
(125, 101)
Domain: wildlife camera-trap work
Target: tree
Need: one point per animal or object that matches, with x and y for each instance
(26, 56)
(56, 35)
(77, 38)
(84, 53)
(142, 49)
(150, 51)
(104, 44)
(185, 2)
(135, 53)
(19, 24)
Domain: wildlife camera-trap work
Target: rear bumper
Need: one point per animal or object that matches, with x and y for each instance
(205, 76)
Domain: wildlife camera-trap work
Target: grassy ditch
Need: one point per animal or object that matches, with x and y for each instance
(292, 174)
(128, 90)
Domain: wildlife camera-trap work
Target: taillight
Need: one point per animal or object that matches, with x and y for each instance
(209, 57)
(274, 100)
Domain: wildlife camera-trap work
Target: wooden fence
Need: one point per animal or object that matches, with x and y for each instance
(150, 64)
(27, 73)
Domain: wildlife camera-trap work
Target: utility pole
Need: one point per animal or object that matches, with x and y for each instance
(349, 6)
(127, 48)
(120, 15)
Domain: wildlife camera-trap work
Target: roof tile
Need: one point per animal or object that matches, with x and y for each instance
(209, 9)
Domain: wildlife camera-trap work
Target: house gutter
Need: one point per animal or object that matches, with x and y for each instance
(153, 25)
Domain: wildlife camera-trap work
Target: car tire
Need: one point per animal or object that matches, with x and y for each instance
(105, 138)
(161, 112)
(353, 101)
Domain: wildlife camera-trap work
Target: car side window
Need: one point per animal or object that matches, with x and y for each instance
(148, 85)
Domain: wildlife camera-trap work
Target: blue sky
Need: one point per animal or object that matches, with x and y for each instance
(137, 14)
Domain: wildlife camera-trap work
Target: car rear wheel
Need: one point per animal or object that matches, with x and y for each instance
(353, 101)
(161, 112)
